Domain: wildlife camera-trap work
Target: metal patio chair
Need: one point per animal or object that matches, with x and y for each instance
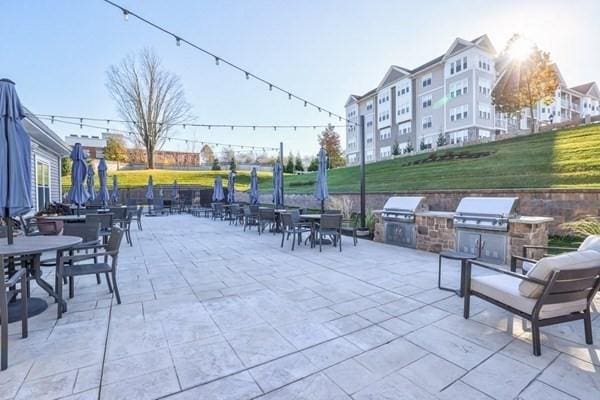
(69, 266)
(250, 218)
(330, 225)
(266, 217)
(557, 289)
(294, 228)
(9, 279)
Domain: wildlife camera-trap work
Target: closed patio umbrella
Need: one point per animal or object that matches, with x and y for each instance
(78, 194)
(231, 187)
(114, 195)
(103, 195)
(90, 183)
(15, 157)
(150, 190)
(277, 184)
(218, 194)
(321, 191)
(253, 187)
(175, 190)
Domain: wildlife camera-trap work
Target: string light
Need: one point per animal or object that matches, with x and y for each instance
(289, 96)
(247, 76)
(209, 53)
(184, 125)
(125, 14)
(169, 138)
(177, 41)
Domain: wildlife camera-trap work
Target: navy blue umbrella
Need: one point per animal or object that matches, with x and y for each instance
(114, 195)
(218, 194)
(175, 190)
(78, 193)
(253, 187)
(321, 190)
(150, 189)
(103, 195)
(90, 183)
(277, 184)
(15, 157)
(231, 187)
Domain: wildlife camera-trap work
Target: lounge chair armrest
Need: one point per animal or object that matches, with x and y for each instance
(531, 260)
(535, 247)
(15, 278)
(505, 272)
(83, 246)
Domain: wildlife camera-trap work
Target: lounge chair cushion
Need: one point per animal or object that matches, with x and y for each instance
(591, 242)
(505, 289)
(544, 268)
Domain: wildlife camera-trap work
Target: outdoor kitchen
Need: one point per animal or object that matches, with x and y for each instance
(489, 227)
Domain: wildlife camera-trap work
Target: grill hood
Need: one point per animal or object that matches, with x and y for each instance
(491, 206)
(404, 204)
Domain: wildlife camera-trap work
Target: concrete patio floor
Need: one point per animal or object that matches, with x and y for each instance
(212, 312)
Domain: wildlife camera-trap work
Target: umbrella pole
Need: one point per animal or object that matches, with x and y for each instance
(9, 228)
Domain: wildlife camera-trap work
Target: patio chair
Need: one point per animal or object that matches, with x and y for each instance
(8, 291)
(330, 225)
(69, 266)
(119, 215)
(89, 232)
(332, 212)
(291, 227)
(348, 226)
(266, 216)
(557, 289)
(592, 242)
(104, 220)
(218, 211)
(33, 226)
(137, 217)
(250, 218)
(235, 214)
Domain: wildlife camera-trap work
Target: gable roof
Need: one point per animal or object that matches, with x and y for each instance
(393, 74)
(589, 88)
(44, 135)
(351, 99)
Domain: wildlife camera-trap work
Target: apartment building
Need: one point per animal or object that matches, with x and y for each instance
(570, 103)
(450, 95)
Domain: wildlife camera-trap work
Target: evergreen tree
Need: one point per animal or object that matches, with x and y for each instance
(314, 165)
(442, 140)
(289, 166)
(299, 166)
(409, 148)
(232, 164)
(422, 145)
(215, 165)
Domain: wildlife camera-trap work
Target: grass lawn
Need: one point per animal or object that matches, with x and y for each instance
(138, 178)
(562, 159)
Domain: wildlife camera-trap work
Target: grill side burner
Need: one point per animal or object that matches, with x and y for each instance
(398, 217)
(482, 227)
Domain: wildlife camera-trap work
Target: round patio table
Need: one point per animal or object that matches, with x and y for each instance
(34, 246)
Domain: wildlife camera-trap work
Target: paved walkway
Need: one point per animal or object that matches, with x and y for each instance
(211, 312)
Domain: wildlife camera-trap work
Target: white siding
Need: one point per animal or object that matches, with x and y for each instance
(54, 162)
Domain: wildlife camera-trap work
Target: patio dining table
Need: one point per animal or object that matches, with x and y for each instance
(34, 246)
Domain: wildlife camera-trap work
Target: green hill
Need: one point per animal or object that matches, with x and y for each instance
(561, 159)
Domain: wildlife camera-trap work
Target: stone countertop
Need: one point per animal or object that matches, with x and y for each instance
(524, 219)
(440, 214)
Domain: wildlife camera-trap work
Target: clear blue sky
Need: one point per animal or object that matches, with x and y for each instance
(58, 51)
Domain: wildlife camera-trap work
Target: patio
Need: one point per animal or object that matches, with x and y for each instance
(212, 312)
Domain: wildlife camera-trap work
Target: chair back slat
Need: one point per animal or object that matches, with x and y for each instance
(332, 212)
(567, 296)
(572, 285)
(114, 241)
(105, 220)
(286, 220)
(88, 232)
(266, 213)
(330, 221)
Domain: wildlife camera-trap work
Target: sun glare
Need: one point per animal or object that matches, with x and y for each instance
(520, 49)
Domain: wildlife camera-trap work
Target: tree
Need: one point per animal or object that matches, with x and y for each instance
(215, 165)
(329, 139)
(409, 148)
(396, 149)
(115, 150)
(299, 166)
(65, 166)
(207, 154)
(149, 96)
(422, 145)
(289, 166)
(314, 165)
(528, 77)
(232, 164)
(442, 140)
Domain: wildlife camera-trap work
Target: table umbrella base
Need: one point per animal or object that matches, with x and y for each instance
(35, 306)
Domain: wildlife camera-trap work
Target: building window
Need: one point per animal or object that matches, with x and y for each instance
(385, 152)
(42, 170)
(427, 122)
(385, 134)
(426, 101)
(484, 87)
(459, 88)
(464, 62)
(485, 112)
(484, 63)
(459, 113)
(426, 80)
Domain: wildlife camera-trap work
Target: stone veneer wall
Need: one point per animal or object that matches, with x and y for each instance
(435, 233)
(532, 234)
(560, 204)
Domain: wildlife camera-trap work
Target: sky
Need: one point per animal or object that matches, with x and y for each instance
(58, 52)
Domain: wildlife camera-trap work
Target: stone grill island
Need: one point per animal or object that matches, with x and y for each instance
(495, 241)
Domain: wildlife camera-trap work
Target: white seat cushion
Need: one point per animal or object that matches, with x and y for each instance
(505, 289)
(591, 242)
(544, 268)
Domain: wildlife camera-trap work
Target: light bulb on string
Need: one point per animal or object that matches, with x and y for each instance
(177, 41)
(289, 96)
(125, 15)
(247, 76)
(52, 119)
(305, 103)
(216, 60)
(270, 87)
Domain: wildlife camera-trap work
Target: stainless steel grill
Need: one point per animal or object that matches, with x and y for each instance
(482, 225)
(398, 217)
(487, 213)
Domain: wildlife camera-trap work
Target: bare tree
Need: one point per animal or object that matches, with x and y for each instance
(150, 96)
